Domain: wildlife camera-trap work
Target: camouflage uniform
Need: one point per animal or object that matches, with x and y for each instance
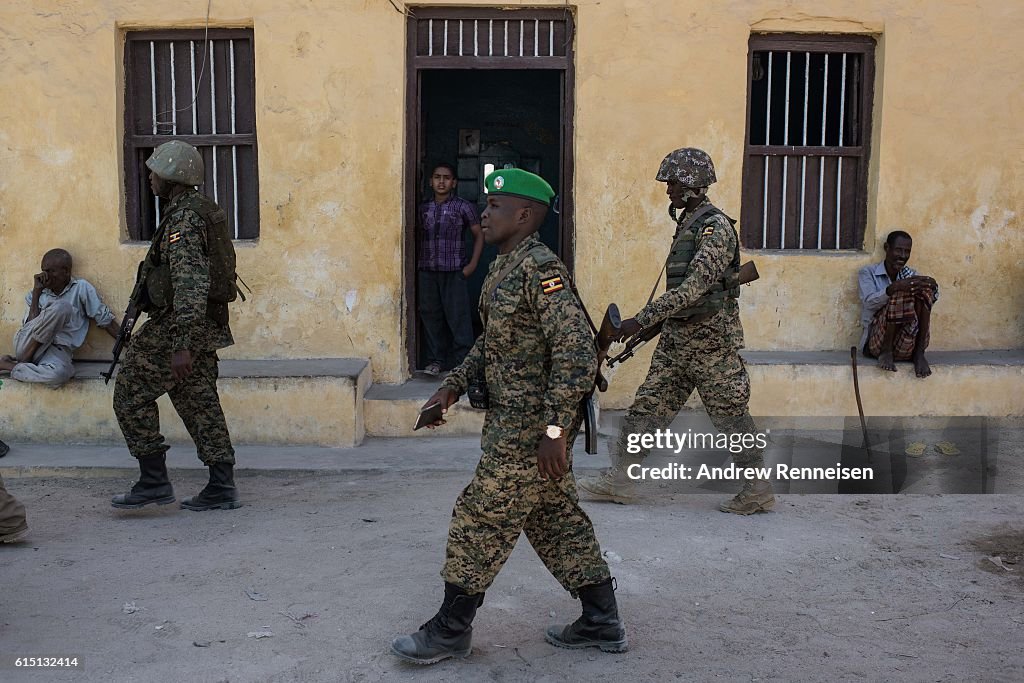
(702, 355)
(13, 523)
(700, 339)
(537, 354)
(146, 373)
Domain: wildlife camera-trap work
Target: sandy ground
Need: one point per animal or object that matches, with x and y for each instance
(335, 564)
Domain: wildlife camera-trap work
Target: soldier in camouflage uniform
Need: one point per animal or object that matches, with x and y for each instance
(538, 358)
(188, 272)
(700, 339)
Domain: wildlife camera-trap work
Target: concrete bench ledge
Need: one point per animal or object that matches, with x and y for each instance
(302, 367)
(1007, 357)
(300, 402)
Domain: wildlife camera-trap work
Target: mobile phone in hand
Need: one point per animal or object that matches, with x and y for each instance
(428, 416)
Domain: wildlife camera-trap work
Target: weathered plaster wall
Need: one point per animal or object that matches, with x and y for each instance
(946, 160)
(326, 270)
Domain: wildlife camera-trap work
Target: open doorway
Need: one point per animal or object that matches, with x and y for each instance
(488, 89)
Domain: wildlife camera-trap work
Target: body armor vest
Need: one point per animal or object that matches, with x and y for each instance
(220, 253)
(683, 249)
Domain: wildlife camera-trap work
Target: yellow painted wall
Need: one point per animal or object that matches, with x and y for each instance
(652, 75)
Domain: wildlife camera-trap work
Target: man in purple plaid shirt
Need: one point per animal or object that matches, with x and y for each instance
(443, 268)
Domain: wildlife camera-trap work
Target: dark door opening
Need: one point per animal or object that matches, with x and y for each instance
(481, 120)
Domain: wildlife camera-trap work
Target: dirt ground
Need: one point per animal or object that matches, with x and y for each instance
(334, 565)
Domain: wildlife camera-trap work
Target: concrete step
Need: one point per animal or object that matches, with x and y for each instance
(785, 384)
(314, 402)
(391, 410)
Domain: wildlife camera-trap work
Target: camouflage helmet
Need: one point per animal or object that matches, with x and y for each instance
(690, 166)
(178, 162)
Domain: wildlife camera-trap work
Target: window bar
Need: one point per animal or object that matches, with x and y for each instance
(444, 51)
(213, 117)
(536, 37)
(460, 37)
(152, 80)
(234, 147)
(476, 38)
(767, 141)
(490, 38)
(551, 38)
(192, 61)
(821, 160)
(430, 37)
(785, 159)
(803, 162)
(839, 174)
(522, 30)
(174, 94)
(506, 37)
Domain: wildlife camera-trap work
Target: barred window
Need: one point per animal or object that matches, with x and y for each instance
(199, 87)
(807, 146)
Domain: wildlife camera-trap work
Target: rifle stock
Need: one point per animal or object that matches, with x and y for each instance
(747, 274)
(131, 314)
(610, 325)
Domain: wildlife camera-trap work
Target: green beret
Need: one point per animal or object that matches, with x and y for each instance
(519, 183)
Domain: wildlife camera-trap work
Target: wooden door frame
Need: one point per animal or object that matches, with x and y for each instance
(416, 65)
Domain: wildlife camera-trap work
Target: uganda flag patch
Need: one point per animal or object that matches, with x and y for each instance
(708, 231)
(174, 237)
(552, 285)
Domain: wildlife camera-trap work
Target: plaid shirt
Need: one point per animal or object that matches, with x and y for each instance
(872, 282)
(442, 245)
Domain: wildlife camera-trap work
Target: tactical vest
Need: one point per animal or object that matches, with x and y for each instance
(220, 253)
(683, 249)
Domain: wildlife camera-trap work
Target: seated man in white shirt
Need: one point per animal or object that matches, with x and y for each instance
(896, 305)
(55, 324)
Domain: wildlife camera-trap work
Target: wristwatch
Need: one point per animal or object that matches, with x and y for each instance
(554, 432)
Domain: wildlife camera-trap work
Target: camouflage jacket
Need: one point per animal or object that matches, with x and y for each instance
(183, 249)
(716, 245)
(537, 351)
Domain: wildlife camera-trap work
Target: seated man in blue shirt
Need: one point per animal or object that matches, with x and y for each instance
(896, 305)
(55, 324)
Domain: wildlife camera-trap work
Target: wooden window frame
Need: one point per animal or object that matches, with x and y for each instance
(769, 234)
(240, 112)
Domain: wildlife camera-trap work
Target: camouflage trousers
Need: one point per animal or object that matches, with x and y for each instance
(146, 375)
(508, 497)
(685, 359)
(12, 512)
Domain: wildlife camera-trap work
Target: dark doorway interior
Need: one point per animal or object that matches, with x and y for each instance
(476, 118)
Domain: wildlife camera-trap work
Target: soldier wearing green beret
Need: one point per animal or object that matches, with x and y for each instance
(700, 339)
(538, 358)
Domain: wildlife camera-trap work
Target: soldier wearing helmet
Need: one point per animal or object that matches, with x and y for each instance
(700, 338)
(189, 276)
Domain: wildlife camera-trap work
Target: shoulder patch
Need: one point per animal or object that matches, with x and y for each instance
(174, 236)
(552, 284)
(708, 231)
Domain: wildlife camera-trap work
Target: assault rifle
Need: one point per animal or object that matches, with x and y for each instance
(603, 338)
(131, 315)
(748, 273)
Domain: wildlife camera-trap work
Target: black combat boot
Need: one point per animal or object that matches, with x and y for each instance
(219, 494)
(448, 634)
(153, 485)
(599, 626)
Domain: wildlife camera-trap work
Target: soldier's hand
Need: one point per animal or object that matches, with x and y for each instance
(446, 397)
(181, 364)
(629, 327)
(551, 462)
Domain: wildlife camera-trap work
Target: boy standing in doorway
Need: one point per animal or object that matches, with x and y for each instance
(443, 268)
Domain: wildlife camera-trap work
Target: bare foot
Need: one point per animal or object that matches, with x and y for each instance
(921, 366)
(886, 362)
